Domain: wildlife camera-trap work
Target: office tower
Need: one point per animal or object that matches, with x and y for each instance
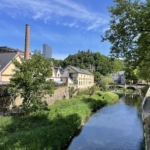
(47, 51)
(37, 52)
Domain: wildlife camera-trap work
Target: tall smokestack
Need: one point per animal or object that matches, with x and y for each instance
(27, 42)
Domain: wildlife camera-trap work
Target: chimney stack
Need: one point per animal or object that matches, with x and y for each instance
(27, 42)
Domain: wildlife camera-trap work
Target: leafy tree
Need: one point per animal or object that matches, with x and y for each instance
(5, 100)
(105, 80)
(143, 73)
(94, 62)
(31, 82)
(92, 90)
(97, 77)
(71, 91)
(129, 31)
(131, 75)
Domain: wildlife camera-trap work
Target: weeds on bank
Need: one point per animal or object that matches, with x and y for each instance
(53, 129)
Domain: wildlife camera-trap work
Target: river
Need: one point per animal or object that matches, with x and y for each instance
(114, 127)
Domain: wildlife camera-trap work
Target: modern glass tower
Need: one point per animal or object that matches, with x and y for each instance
(47, 51)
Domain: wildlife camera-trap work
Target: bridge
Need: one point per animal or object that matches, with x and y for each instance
(135, 86)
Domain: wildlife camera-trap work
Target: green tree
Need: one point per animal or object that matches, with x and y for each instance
(92, 90)
(105, 80)
(71, 91)
(131, 75)
(143, 73)
(129, 31)
(31, 82)
(97, 77)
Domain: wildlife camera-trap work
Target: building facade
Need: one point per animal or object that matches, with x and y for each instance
(118, 78)
(7, 54)
(76, 76)
(47, 51)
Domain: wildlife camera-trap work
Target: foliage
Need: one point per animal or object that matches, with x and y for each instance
(129, 31)
(55, 62)
(143, 72)
(105, 81)
(144, 90)
(97, 77)
(31, 82)
(51, 129)
(71, 91)
(131, 75)
(92, 90)
(94, 62)
(6, 100)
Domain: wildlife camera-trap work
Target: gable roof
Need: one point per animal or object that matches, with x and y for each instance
(65, 74)
(58, 68)
(79, 70)
(5, 58)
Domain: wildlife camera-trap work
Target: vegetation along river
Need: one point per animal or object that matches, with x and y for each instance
(114, 127)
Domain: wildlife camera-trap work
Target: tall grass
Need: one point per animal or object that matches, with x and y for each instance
(53, 129)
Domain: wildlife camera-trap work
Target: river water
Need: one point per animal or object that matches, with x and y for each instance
(114, 127)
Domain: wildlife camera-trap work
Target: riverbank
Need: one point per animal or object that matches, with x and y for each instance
(51, 129)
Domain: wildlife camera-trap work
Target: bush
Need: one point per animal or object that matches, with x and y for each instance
(51, 129)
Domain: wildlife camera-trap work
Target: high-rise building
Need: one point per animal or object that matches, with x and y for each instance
(47, 51)
(37, 52)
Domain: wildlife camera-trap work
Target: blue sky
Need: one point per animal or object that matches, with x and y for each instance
(66, 25)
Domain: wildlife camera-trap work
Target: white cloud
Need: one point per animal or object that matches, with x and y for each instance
(54, 10)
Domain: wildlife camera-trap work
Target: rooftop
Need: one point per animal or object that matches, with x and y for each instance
(5, 58)
(80, 70)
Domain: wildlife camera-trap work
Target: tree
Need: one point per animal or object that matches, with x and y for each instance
(5, 100)
(92, 90)
(71, 91)
(105, 80)
(31, 82)
(129, 31)
(97, 77)
(143, 73)
(131, 75)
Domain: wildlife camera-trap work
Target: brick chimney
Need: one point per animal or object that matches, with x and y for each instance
(27, 42)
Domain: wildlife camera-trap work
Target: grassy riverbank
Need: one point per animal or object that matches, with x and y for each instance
(53, 129)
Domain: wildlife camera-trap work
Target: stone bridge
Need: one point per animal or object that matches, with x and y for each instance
(135, 86)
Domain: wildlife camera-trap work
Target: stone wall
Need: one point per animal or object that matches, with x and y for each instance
(59, 93)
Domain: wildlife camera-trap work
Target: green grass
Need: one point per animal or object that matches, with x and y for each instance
(53, 129)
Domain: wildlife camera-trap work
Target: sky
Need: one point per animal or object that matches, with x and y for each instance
(65, 25)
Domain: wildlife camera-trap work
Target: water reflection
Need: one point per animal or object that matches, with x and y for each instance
(115, 127)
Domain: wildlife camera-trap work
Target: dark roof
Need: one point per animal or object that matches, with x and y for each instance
(5, 58)
(60, 69)
(79, 70)
(65, 73)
